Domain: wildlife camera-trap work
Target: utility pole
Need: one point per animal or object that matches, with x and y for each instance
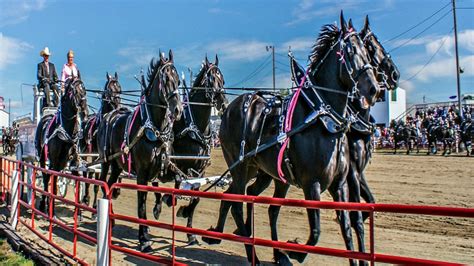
(458, 80)
(9, 112)
(268, 47)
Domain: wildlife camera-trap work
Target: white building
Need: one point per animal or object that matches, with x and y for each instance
(393, 105)
(4, 118)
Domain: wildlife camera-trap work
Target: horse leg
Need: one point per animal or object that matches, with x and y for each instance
(114, 174)
(366, 194)
(261, 183)
(311, 192)
(281, 190)
(143, 230)
(157, 207)
(357, 222)
(238, 215)
(188, 212)
(340, 193)
(44, 199)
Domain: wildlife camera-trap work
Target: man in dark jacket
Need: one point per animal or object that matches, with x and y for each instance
(47, 78)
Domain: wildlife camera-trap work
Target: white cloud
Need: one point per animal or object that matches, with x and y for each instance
(465, 41)
(11, 49)
(301, 44)
(137, 55)
(14, 12)
(306, 10)
(432, 42)
(443, 68)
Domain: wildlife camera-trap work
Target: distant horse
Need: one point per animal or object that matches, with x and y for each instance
(408, 135)
(192, 134)
(316, 158)
(88, 143)
(56, 135)
(466, 132)
(443, 132)
(142, 138)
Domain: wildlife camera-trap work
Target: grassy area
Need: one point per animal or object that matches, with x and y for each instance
(8, 257)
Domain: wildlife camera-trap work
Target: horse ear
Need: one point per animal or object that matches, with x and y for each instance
(107, 76)
(207, 61)
(366, 27)
(116, 76)
(161, 55)
(342, 21)
(350, 24)
(170, 54)
(216, 62)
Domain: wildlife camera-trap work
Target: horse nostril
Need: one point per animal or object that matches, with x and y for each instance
(373, 90)
(395, 75)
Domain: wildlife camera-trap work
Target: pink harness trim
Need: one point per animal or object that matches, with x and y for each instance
(288, 126)
(47, 133)
(129, 157)
(89, 147)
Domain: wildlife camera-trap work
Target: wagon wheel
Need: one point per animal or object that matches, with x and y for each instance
(62, 186)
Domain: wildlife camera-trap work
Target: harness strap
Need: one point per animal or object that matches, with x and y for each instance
(288, 126)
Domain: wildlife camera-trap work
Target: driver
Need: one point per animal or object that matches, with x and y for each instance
(47, 78)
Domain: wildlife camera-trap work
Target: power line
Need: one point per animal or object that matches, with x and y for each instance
(419, 23)
(423, 31)
(429, 61)
(254, 72)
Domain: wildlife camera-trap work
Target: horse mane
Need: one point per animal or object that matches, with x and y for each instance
(153, 69)
(198, 78)
(328, 34)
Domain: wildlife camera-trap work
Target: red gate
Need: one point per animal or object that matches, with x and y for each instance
(7, 167)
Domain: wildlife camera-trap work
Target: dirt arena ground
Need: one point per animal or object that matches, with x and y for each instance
(413, 179)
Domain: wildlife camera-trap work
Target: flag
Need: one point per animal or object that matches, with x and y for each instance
(453, 97)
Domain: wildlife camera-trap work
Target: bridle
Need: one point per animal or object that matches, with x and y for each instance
(346, 49)
(111, 95)
(77, 94)
(369, 40)
(213, 83)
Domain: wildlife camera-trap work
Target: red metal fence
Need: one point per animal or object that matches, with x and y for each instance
(7, 167)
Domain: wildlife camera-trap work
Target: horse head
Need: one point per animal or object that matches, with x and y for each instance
(112, 91)
(356, 70)
(387, 71)
(163, 83)
(211, 78)
(75, 96)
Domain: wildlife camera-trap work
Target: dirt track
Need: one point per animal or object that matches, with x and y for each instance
(414, 179)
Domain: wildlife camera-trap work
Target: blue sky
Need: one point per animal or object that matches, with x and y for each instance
(124, 35)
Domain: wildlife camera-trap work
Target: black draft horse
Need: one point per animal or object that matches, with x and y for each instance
(110, 101)
(407, 134)
(192, 134)
(56, 135)
(360, 135)
(439, 131)
(466, 134)
(319, 155)
(143, 136)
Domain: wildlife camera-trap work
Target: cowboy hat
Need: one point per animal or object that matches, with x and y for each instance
(45, 51)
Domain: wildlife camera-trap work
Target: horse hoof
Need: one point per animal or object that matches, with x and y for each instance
(298, 256)
(145, 247)
(116, 193)
(211, 241)
(182, 212)
(157, 211)
(192, 240)
(283, 260)
(168, 200)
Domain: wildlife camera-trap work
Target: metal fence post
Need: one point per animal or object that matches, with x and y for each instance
(14, 199)
(103, 232)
